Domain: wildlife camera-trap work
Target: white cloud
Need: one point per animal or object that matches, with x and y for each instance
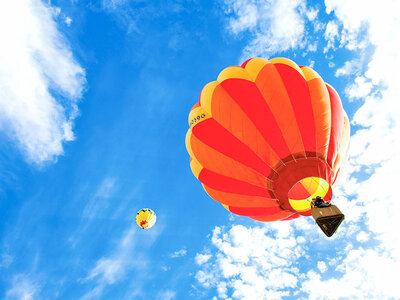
(40, 81)
(68, 20)
(179, 253)
(106, 188)
(312, 14)
(99, 202)
(222, 290)
(368, 272)
(362, 237)
(6, 260)
(322, 266)
(312, 47)
(252, 263)
(22, 288)
(331, 34)
(166, 295)
(107, 269)
(127, 256)
(202, 258)
(351, 67)
(264, 19)
(110, 269)
(359, 89)
(247, 15)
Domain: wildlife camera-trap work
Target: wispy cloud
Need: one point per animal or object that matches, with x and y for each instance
(6, 260)
(264, 19)
(40, 81)
(127, 256)
(112, 268)
(179, 253)
(22, 288)
(130, 14)
(166, 295)
(100, 200)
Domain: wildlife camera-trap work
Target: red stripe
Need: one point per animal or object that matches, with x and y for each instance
(336, 176)
(245, 63)
(298, 192)
(211, 133)
(230, 185)
(294, 216)
(337, 124)
(255, 211)
(297, 89)
(246, 94)
(328, 195)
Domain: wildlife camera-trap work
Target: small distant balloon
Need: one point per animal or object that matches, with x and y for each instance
(145, 218)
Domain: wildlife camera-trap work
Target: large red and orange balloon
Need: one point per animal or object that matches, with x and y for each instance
(267, 137)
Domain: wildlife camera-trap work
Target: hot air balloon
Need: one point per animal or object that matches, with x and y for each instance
(267, 138)
(146, 218)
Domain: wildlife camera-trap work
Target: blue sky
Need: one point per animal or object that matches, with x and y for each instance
(94, 100)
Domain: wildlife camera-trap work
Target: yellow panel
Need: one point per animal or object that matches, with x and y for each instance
(311, 184)
(301, 205)
(206, 96)
(286, 61)
(196, 167)
(309, 73)
(322, 190)
(344, 144)
(316, 187)
(197, 115)
(226, 207)
(254, 66)
(233, 72)
(187, 142)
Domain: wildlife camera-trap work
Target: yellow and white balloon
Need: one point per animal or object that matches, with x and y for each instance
(146, 218)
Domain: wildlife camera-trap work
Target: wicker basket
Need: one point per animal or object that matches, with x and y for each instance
(328, 218)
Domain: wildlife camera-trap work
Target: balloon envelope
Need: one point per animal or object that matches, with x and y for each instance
(145, 218)
(267, 137)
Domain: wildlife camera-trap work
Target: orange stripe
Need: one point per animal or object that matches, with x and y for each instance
(344, 143)
(237, 199)
(231, 185)
(322, 115)
(217, 162)
(294, 216)
(275, 217)
(337, 116)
